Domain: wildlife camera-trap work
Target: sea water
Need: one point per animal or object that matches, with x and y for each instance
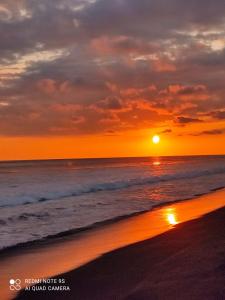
(44, 198)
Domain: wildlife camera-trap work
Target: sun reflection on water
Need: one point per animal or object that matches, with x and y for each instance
(156, 163)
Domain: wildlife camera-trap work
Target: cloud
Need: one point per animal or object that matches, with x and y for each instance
(212, 132)
(220, 115)
(86, 67)
(186, 90)
(165, 131)
(187, 120)
(111, 103)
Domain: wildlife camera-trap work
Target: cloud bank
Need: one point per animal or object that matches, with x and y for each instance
(84, 67)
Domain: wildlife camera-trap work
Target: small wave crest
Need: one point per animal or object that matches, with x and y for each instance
(123, 184)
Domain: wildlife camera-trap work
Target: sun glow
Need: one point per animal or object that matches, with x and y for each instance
(156, 163)
(155, 139)
(218, 45)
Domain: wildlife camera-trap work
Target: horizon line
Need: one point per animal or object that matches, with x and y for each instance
(112, 157)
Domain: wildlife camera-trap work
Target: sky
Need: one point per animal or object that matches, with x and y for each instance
(98, 78)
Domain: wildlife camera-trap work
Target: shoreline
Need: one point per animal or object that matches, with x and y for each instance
(73, 232)
(58, 256)
(184, 263)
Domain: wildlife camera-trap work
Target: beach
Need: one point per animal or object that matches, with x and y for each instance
(184, 263)
(112, 150)
(90, 263)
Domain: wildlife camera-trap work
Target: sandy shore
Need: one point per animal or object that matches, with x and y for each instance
(187, 262)
(59, 255)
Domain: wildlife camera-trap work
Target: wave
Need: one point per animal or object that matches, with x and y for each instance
(116, 185)
(39, 238)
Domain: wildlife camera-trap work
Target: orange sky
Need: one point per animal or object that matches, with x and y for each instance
(127, 144)
(75, 83)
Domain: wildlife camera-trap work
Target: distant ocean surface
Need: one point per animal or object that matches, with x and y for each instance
(42, 198)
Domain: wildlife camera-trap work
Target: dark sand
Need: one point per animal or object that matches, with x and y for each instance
(186, 263)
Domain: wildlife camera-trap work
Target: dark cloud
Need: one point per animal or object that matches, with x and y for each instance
(130, 17)
(79, 66)
(111, 103)
(189, 90)
(165, 131)
(220, 115)
(186, 120)
(212, 132)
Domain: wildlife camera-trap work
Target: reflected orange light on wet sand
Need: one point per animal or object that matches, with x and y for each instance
(171, 218)
(61, 255)
(171, 215)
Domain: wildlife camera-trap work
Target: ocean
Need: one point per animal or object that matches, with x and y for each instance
(46, 198)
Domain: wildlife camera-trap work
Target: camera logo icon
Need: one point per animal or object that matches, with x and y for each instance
(14, 284)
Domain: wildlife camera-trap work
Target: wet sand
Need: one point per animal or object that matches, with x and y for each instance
(60, 255)
(185, 263)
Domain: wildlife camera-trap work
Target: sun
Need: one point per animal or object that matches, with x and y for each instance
(155, 139)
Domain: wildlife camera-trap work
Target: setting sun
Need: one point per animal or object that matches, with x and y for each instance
(155, 139)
